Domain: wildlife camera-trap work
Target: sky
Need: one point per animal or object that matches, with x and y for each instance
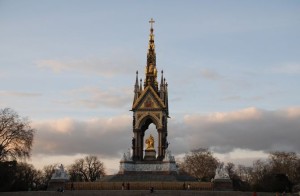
(233, 69)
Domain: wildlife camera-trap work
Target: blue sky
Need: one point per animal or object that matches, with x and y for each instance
(73, 62)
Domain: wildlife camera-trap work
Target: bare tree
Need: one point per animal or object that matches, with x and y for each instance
(200, 163)
(16, 135)
(260, 170)
(89, 168)
(244, 173)
(26, 177)
(230, 168)
(285, 163)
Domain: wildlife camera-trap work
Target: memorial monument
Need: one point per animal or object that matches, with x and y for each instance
(58, 179)
(222, 180)
(150, 105)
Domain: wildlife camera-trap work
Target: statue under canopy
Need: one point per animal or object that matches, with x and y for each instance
(150, 143)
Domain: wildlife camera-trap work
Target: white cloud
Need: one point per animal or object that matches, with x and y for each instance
(109, 66)
(238, 136)
(210, 74)
(249, 128)
(19, 94)
(288, 68)
(241, 156)
(94, 97)
(105, 136)
(245, 114)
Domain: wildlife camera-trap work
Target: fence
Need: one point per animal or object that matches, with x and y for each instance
(207, 186)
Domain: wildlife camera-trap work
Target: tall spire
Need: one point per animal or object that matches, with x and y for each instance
(151, 71)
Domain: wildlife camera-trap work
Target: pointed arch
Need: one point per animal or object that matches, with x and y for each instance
(144, 122)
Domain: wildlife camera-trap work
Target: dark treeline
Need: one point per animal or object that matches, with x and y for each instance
(16, 139)
(20, 176)
(280, 172)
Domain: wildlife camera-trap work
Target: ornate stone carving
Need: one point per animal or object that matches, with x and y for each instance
(148, 115)
(221, 173)
(60, 174)
(167, 166)
(169, 157)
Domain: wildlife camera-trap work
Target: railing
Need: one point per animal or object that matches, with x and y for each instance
(207, 186)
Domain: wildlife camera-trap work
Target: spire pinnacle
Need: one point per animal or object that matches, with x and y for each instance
(141, 87)
(151, 22)
(137, 80)
(151, 71)
(136, 87)
(162, 80)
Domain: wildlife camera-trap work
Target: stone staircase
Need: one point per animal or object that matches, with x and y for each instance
(147, 178)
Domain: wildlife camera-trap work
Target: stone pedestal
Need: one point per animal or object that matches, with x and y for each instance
(149, 165)
(150, 155)
(56, 185)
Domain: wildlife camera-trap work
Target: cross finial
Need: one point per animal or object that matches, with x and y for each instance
(151, 22)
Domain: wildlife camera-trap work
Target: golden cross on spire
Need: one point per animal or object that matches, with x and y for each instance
(151, 22)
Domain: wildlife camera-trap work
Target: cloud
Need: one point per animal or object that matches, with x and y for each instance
(250, 128)
(242, 156)
(235, 98)
(289, 68)
(210, 74)
(107, 67)
(104, 136)
(226, 133)
(94, 97)
(19, 94)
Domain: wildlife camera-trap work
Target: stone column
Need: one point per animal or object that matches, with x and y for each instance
(138, 143)
(135, 145)
(141, 144)
(159, 143)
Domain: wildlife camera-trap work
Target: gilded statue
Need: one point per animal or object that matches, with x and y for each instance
(150, 143)
(155, 72)
(151, 68)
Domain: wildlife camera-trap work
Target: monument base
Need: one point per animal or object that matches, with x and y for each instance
(223, 185)
(148, 170)
(149, 164)
(162, 167)
(56, 184)
(58, 179)
(150, 155)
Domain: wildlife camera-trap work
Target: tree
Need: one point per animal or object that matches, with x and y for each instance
(47, 172)
(7, 177)
(240, 176)
(200, 163)
(285, 163)
(88, 169)
(244, 173)
(16, 135)
(26, 178)
(230, 168)
(259, 171)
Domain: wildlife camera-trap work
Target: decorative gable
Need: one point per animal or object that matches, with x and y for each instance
(148, 100)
